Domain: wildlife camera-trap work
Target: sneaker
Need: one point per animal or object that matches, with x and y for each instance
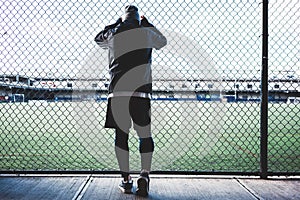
(143, 184)
(126, 186)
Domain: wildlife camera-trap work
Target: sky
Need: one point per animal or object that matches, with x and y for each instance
(206, 38)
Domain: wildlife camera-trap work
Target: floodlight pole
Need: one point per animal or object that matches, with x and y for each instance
(264, 97)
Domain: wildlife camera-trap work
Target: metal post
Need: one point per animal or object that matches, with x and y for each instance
(264, 97)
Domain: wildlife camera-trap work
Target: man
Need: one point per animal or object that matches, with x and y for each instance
(130, 42)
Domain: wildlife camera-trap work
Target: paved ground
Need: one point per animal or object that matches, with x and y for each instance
(89, 187)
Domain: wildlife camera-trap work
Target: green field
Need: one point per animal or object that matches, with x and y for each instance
(188, 135)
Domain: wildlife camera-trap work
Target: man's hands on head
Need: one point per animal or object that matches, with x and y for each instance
(145, 22)
(119, 20)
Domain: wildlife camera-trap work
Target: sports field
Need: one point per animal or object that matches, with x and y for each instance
(188, 135)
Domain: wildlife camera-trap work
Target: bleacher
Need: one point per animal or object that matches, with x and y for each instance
(225, 89)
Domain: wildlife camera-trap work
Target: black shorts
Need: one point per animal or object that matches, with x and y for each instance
(121, 110)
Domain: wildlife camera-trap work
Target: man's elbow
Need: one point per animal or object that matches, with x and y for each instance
(99, 38)
(163, 42)
(99, 42)
(102, 44)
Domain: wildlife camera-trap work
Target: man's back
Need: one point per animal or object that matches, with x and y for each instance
(130, 54)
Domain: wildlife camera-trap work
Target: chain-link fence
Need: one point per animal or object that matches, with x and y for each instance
(206, 86)
(284, 128)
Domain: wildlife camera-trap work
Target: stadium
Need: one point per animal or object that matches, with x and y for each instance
(17, 88)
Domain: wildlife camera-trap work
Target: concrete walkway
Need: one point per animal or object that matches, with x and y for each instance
(165, 187)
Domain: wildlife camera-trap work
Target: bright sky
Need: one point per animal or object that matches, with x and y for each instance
(206, 38)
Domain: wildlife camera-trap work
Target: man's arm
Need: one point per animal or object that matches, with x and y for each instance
(158, 39)
(102, 38)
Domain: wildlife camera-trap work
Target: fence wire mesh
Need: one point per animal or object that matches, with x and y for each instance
(206, 86)
(284, 128)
